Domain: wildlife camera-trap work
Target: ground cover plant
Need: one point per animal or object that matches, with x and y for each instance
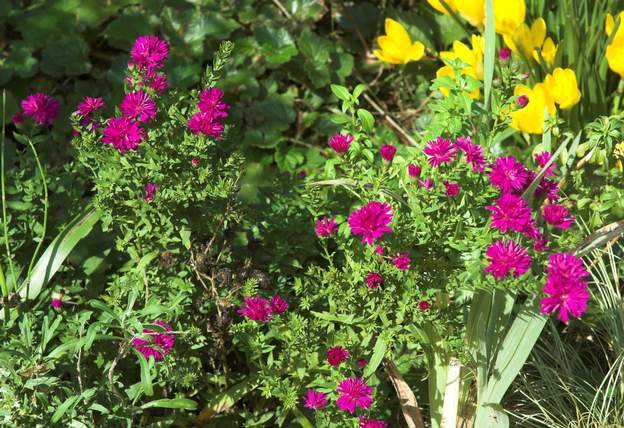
(307, 213)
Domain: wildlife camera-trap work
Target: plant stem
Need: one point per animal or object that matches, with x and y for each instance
(5, 229)
(45, 216)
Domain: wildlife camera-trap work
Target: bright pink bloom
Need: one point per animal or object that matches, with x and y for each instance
(372, 423)
(149, 52)
(315, 400)
(427, 184)
(504, 54)
(414, 170)
(256, 308)
(340, 142)
(373, 280)
(354, 392)
(371, 221)
(440, 151)
(361, 363)
(548, 187)
(451, 188)
(123, 133)
(541, 243)
(522, 101)
(509, 175)
(542, 159)
(278, 305)
(510, 212)
(567, 267)
(379, 250)
(56, 303)
(472, 152)
(89, 105)
(157, 81)
(153, 343)
(42, 108)
(211, 101)
(401, 261)
(423, 305)
(17, 118)
(325, 226)
(507, 257)
(150, 190)
(387, 152)
(195, 162)
(337, 355)
(138, 105)
(569, 298)
(558, 216)
(207, 124)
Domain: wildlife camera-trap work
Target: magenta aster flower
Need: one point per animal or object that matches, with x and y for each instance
(522, 101)
(42, 108)
(423, 305)
(510, 212)
(473, 153)
(427, 184)
(451, 188)
(440, 151)
(195, 162)
(361, 363)
(149, 52)
(17, 118)
(211, 101)
(379, 250)
(157, 81)
(354, 392)
(401, 261)
(89, 105)
(387, 152)
(56, 303)
(256, 308)
(414, 170)
(509, 175)
(541, 243)
(371, 221)
(153, 343)
(507, 257)
(568, 297)
(372, 423)
(337, 355)
(123, 133)
(325, 226)
(150, 190)
(278, 305)
(315, 400)
(207, 124)
(138, 105)
(542, 159)
(558, 216)
(340, 142)
(548, 187)
(504, 54)
(567, 267)
(373, 280)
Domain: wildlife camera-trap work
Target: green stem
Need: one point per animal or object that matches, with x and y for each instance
(5, 228)
(45, 216)
(5, 295)
(618, 97)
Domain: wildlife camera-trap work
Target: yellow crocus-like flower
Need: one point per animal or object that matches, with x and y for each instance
(615, 56)
(396, 46)
(508, 15)
(530, 118)
(548, 51)
(472, 11)
(529, 40)
(610, 24)
(437, 5)
(563, 87)
(473, 57)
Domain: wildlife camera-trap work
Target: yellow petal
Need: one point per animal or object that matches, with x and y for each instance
(472, 11)
(398, 33)
(538, 32)
(416, 52)
(563, 87)
(446, 71)
(609, 24)
(508, 15)
(390, 48)
(549, 51)
(437, 5)
(382, 56)
(615, 56)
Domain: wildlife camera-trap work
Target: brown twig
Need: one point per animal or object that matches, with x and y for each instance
(390, 120)
(409, 405)
(282, 9)
(123, 350)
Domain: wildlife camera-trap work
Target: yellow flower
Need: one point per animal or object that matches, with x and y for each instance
(472, 11)
(396, 46)
(530, 118)
(473, 57)
(437, 5)
(508, 15)
(563, 87)
(548, 51)
(618, 150)
(528, 40)
(610, 24)
(615, 56)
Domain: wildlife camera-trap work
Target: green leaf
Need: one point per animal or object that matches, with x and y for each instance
(341, 92)
(359, 89)
(316, 53)
(60, 410)
(146, 377)
(172, 403)
(65, 55)
(277, 45)
(224, 401)
(490, 51)
(378, 353)
(491, 415)
(367, 119)
(126, 28)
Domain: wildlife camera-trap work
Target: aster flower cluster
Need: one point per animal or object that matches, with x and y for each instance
(566, 287)
(259, 309)
(354, 393)
(155, 344)
(212, 110)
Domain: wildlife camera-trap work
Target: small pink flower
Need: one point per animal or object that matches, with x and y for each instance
(452, 189)
(509, 175)
(195, 162)
(440, 151)
(150, 190)
(256, 308)
(206, 124)
(379, 250)
(427, 184)
(154, 344)
(17, 118)
(278, 305)
(354, 392)
(42, 108)
(542, 160)
(401, 261)
(372, 423)
(387, 152)
(123, 133)
(337, 355)
(371, 221)
(325, 226)
(550, 188)
(423, 305)
(361, 363)
(340, 142)
(157, 81)
(473, 153)
(507, 257)
(56, 303)
(414, 170)
(211, 102)
(89, 105)
(373, 280)
(504, 54)
(565, 286)
(558, 216)
(510, 212)
(139, 106)
(522, 101)
(315, 400)
(149, 52)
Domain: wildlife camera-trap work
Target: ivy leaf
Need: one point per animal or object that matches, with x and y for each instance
(316, 53)
(125, 29)
(276, 44)
(65, 55)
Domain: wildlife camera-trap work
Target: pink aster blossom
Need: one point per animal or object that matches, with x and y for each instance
(340, 142)
(510, 212)
(42, 108)
(548, 187)
(423, 305)
(401, 261)
(325, 226)
(361, 363)
(541, 243)
(413, 170)
(337, 355)
(371, 221)
(89, 105)
(566, 266)
(354, 392)
(473, 153)
(138, 105)
(379, 250)
(440, 151)
(157, 81)
(315, 400)
(150, 191)
(451, 188)
(195, 162)
(372, 423)
(373, 280)
(387, 152)
(278, 305)
(56, 303)
(568, 298)
(522, 101)
(542, 159)
(427, 184)
(123, 133)
(508, 174)
(155, 344)
(504, 54)
(17, 118)
(256, 308)
(149, 52)
(206, 124)
(211, 101)
(507, 257)
(558, 216)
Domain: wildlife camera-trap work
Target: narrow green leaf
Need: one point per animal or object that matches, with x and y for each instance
(228, 398)
(172, 403)
(367, 119)
(490, 52)
(146, 377)
(378, 353)
(341, 92)
(302, 419)
(358, 90)
(62, 409)
(491, 415)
